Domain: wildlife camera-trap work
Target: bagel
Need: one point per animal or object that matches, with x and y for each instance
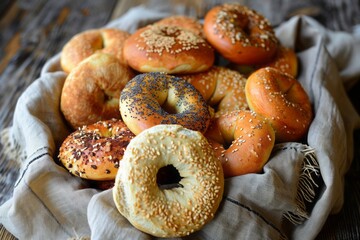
(282, 100)
(285, 60)
(85, 44)
(150, 99)
(186, 22)
(185, 203)
(240, 34)
(242, 141)
(94, 151)
(222, 88)
(91, 91)
(169, 49)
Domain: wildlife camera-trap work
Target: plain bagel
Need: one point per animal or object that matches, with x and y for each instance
(85, 44)
(92, 89)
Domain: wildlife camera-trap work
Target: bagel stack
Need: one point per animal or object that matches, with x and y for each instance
(97, 72)
(232, 66)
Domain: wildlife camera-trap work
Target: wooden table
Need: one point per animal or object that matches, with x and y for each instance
(32, 31)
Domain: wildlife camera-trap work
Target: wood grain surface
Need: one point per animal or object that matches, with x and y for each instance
(32, 31)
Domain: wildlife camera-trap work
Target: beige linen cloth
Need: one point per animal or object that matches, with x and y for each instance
(291, 199)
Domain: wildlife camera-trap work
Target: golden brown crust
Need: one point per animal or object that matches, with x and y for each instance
(240, 34)
(250, 140)
(95, 151)
(285, 60)
(170, 49)
(150, 99)
(282, 100)
(91, 91)
(222, 88)
(186, 22)
(176, 211)
(84, 44)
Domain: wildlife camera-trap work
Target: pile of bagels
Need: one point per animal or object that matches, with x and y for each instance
(163, 115)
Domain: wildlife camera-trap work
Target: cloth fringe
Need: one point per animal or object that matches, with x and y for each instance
(306, 187)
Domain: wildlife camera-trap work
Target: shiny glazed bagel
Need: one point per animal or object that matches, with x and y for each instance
(150, 99)
(242, 141)
(94, 152)
(282, 100)
(170, 49)
(186, 22)
(91, 91)
(285, 60)
(240, 34)
(222, 88)
(185, 199)
(84, 44)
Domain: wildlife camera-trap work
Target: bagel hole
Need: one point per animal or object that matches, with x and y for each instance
(227, 145)
(171, 104)
(107, 98)
(168, 177)
(171, 109)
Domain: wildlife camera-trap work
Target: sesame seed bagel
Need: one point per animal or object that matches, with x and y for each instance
(150, 99)
(84, 44)
(91, 91)
(242, 141)
(181, 206)
(285, 60)
(222, 88)
(282, 100)
(186, 22)
(170, 49)
(240, 34)
(94, 151)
